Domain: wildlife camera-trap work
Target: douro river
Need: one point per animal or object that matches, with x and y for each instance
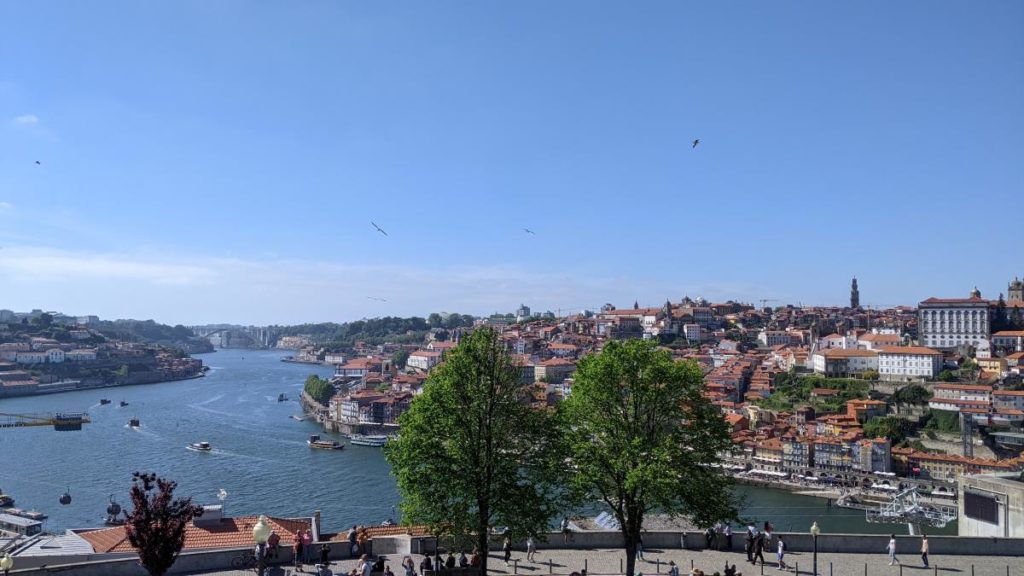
(259, 458)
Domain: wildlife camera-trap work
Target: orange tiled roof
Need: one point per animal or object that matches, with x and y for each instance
(229, 533)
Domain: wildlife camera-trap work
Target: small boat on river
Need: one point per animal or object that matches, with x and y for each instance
(134, 423)
(104, 401)
(282, 397)
(199, 447)
(316, 442)
(123, 404)
(374, 440)
(6, 500)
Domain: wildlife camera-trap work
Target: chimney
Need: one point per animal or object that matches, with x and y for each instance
(212, 515)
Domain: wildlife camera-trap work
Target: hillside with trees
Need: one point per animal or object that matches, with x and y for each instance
(372, 331)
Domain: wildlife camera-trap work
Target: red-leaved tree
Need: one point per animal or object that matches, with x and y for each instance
(156, 525)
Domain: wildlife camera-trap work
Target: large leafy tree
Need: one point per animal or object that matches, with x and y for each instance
(644, 439)
(156, 525)
(473, 454)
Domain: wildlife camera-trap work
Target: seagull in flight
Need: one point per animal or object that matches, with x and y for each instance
(695, 142)
(377, 299)
(38, 162)
(222, 494)
(379, 229)
(528, 231)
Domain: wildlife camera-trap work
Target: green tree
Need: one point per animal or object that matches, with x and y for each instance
(319, 389)
(156, 525)
(435, 320)
(642, 437)
(871, 374)
(946, 376)
(473, 454)
(399, 358)
(895, 428)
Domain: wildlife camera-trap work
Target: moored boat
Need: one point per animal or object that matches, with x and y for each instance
(375, 440)
(199, 447)
(316, 442)
(123, 404)
(6, 500)
(282, 397)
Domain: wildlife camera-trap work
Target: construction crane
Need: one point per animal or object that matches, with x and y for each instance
(764, 301)
(61, 421)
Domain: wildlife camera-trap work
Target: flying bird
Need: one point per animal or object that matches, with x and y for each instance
(222, 494)
(38, 162)
(379, 229)
(528, 231)
(377, 299)
(695, 142)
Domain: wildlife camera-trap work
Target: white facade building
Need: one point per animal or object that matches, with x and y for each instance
(692, 332)
(773, 337)
(908, 363)
(945, 323)
(55, 356)
(841, 363)
(31, 358)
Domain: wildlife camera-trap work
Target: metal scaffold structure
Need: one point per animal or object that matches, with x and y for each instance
(61, 421)
(906, 508)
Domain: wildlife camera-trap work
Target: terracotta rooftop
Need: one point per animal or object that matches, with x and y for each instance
(229, 533)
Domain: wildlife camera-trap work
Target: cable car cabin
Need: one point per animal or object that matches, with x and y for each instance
(19, 525)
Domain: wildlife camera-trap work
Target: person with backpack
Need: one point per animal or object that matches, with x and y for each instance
(748, 543)
(781, 553)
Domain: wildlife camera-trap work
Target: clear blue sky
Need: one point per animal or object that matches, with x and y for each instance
(222, 161)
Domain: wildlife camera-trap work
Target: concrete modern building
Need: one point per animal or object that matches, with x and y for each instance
(991, 505)
(946, 323)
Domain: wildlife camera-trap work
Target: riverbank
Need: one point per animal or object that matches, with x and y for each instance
(79, 385)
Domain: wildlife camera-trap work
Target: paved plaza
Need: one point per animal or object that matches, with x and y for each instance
(604, 561)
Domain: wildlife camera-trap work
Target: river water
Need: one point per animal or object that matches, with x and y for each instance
(260, 457)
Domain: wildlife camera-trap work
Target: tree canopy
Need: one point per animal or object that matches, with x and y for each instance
(895, 428)
(643, 438)
(473, 454)
(319, 389)
(156, 525)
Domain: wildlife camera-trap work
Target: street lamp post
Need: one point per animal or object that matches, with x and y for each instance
(814, 536)
(261, 533)
(6, 563)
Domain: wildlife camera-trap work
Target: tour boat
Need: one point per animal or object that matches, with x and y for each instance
(371, 440)
(134, 423)
(199, 447)
(30, 514)
(123, 404)
(6, 500)
(316, 442)
(104, 401)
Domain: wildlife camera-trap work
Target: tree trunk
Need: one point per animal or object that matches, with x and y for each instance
(630, 555)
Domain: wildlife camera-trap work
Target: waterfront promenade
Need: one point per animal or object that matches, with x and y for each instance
(606, 561)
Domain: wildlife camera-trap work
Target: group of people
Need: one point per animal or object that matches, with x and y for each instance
(757, 541)
(891, 549)
(305, 552)
(449, 563)
(718, 536)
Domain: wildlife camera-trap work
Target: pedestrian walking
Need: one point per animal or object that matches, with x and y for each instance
(748, 543)
(365, 566)
(640, 546)
(728, 537)
(426, 565)
(325, 555)
(781, 553)
(463, 560)
(449, 562)
(506, 547)
(924, 549)
(759, 543)
(673, 570)
(891, 548)
(273, 543)
(531, 548)
(409, 567)
(566, 531)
